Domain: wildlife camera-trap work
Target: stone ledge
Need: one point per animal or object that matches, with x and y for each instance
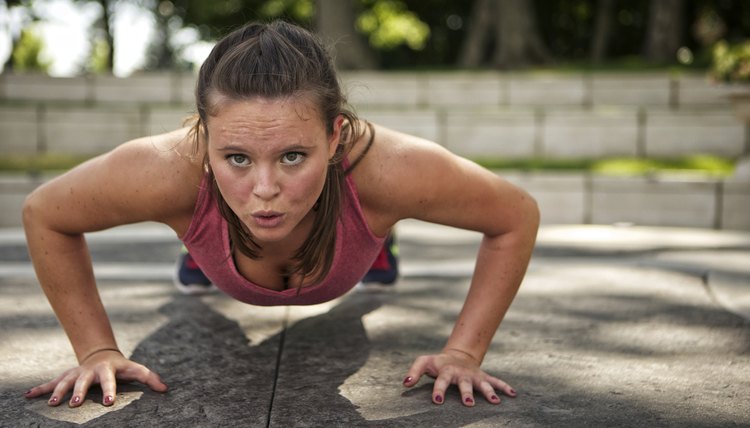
(565, 198)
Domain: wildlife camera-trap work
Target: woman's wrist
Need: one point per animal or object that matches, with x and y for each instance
(462, 352)
(92, 353)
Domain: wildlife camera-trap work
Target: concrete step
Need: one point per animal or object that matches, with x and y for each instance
(567, 198)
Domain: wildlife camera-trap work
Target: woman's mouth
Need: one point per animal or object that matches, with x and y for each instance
(267, 219)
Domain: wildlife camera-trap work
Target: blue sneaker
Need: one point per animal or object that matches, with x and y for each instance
(189, 278)
(384, 270)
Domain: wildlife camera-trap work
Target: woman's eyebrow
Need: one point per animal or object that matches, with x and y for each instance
(291, 147)
(231, 148)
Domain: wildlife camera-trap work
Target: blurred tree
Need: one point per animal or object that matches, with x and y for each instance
(566, 27)
(103, 42)
(15, 37)
(664, 34)
(602, 30)
(334, 23)
(440, 33)
(99, 58)
(447, 22)
(215, 19)
(26, 54)
(505, 33)
(390, 24)
(162, 53)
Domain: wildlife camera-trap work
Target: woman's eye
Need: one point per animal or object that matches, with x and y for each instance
(238, 160)
(293, 158)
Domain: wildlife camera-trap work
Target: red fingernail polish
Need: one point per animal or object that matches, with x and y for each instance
(76, 400)
(513, 391)
(494, 398)
(108, 399)
(438, 399)
(27, 392)
(53, 400)
(408, 379)
(469, 400)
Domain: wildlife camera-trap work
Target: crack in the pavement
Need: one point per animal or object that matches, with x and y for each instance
(282, 336)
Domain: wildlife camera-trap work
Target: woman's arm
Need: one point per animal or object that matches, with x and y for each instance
(139, 181)
(411, 178)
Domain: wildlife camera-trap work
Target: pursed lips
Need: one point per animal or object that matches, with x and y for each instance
(267, 218)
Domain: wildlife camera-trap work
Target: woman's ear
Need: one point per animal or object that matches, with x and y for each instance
(335, 139)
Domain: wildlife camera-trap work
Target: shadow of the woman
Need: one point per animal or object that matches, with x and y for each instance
(291, 379)
(217, 379)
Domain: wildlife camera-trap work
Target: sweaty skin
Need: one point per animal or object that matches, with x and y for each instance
(269, 158)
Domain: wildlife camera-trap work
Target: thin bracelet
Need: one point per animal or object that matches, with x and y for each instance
(100, 350)
(463, 352)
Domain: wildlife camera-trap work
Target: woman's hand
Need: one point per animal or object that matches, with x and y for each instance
(453, 367)
(104, 368)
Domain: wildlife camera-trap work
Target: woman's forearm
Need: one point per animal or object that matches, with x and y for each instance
(500, 268)
(64, 270)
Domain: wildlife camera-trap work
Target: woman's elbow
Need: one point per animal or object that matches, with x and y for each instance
(533, 214)
(528, 216)
(30, 209)
(33, 209)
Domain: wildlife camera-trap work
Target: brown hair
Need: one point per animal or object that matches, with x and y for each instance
(271, 61)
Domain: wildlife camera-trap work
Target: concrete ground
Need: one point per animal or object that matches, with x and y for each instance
(613, 326)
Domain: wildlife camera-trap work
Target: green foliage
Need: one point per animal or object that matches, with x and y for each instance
(389, 24)
(300, 10)
(214, 19)
(39, 162)
(99, 60)
(27, 53)
(731, 63)
(704, 164)
(621, 166)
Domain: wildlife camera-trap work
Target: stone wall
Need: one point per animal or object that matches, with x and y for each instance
(492, 115)
(554, 116)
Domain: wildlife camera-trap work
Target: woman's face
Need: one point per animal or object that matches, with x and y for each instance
(270, 158)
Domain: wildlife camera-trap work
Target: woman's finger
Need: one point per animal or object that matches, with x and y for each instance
(82, 385)
(466, 388)
(62, 388)
(502, 386)
(442, 382)
(416, 371)
(109, 385)
(489, 392)
(141, 373)
(155, 382)
(44, 388)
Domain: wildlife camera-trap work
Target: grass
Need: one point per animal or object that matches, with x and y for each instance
(48, 162)
(624, 166)
(621, 166)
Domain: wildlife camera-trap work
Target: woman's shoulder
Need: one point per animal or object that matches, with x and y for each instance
(395, 172)
(147, 179)
(170, 165)
(157, 176)
(170, 159)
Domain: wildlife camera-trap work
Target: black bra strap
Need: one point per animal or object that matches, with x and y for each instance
(364, 152)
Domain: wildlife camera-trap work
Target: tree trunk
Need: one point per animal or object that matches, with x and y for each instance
(520, 43)
(602, 30)
(162, 56)
(335, 25)
(105, 20)
(664, 33)
(503, 33)
(481, 27)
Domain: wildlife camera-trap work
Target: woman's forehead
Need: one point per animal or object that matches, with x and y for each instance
(302, 103)
(265, 121)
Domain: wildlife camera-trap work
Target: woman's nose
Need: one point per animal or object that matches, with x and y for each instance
(266, 185)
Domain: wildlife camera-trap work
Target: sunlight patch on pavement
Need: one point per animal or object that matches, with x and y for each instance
(88, 411)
